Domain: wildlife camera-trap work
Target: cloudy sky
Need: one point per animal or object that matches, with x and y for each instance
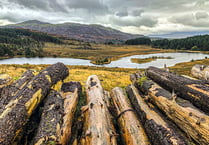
(133, 16)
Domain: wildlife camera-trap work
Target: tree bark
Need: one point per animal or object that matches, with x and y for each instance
(12, 89)
(19, 109)
(196, 91)
(70, 93)
(131, 129)
(98, 128)
(158, 129)
(49, 130)
(200, 71)
(191, 120)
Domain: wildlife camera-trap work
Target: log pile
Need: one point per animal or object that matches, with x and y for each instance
(158, 128)
(157, 108)
(196, 91)
(19, 109)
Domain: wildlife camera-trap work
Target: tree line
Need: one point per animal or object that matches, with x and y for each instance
(200, 43)
(24, 42)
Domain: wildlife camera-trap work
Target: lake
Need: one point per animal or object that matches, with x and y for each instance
(124, 62)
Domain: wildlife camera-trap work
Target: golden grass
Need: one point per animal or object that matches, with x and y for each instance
(142, 60)
(98, 50)
(110, 77)
(145, 60)
(185, 67)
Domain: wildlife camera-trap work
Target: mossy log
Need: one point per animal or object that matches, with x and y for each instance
(12, 89)
(196, 91)
(130, 127)
(49, 130)
(57, 117)
(158, 129)
(19, 109)
(200, 71)
(70, 93)
(98, 127)
(191, 120)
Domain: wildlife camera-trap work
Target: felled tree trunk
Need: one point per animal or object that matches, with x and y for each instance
(200, 71)
(192, 121)
(70, 93)
(196, 91)
(20, 108)
(159, 131)
(12, 89)
(131, 129)
(49, 130)
(98, 128)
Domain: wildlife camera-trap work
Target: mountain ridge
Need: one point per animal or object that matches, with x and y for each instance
(92, 32)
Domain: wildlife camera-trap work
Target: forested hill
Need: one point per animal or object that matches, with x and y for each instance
(91, 33)
(200, 42)
(23, 42)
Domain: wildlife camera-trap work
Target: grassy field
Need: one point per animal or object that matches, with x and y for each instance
(110, 77)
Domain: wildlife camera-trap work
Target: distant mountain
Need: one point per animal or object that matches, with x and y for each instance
(179, 35)
(83, 32)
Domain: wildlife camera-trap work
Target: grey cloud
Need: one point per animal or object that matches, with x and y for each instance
(191, 20)
(201, 15)
(122, 14)
(94, 6)
(39, 4)
(137, 12)
(132, 21)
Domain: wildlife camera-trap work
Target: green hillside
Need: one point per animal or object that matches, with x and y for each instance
(23, 42)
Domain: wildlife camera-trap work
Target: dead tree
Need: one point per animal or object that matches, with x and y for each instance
(98, 127)
(12, 89)
(19, 109)
(70, 93)
(49, 130)
(191, 120)
(131, 129)
(158, 129)
(196, 91)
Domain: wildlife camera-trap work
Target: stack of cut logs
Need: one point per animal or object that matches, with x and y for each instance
(159, 108)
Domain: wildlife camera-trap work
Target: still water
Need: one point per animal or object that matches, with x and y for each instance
(124, 62)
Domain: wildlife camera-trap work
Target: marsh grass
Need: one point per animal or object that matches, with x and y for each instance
(146, 60)
(185, 67)
(112, 52)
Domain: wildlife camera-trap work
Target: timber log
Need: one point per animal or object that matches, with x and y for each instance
(19, 109)
(196, 91)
